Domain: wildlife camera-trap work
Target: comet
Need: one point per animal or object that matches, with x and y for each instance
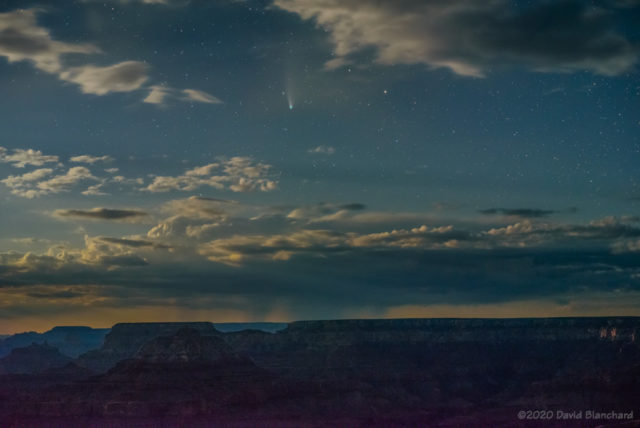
(290, 100)
(289, 86)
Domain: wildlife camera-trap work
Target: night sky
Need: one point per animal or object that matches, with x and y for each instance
(312, 159)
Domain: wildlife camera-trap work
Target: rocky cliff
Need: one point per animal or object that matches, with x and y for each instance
(125, 339)
(71, 341)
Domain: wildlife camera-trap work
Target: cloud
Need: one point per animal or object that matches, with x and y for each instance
(240, 248)
(90, 159)
(518, 212)
(96, 254)
(470, 38)
(102, 214)
(617, 234)
(135, 243)
(238, 174)
(62, 183)
(26, 180)
(192, 217)
(21, 157)
(94, 190)
(200, 96)
(33, 184)
(126, 76)
(353, 207)
(330, 273)
(322, 150)
(159, 94)
(324, 212)
(23, 185)
(21, 39)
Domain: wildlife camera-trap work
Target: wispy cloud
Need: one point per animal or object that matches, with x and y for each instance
(200, 96)
(159, 95)
(90, 159)
(322, 150)
(23, 39)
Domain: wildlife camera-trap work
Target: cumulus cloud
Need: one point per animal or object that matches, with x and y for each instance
(192, 217)
(126, 76)
(322, 150)
(103, 214)
(62, 183)
(24, 157)
(23, 185)
(94, 190)
(238, 174)
(90, 159)
(96, 254)
(33, 184)
(470, 37)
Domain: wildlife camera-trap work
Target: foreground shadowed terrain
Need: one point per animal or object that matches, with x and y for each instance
(405, 372)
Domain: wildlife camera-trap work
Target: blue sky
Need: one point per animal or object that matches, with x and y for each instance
(296, 159)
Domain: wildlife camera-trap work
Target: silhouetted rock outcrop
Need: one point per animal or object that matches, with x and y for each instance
(125, 339)
(34, 358)
(70, 341)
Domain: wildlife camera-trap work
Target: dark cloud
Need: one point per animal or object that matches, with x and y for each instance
(353, 207)
(471, 38)
(366, 277)
(518, 212)
(102, 214)
(135, 243)
(54, 294)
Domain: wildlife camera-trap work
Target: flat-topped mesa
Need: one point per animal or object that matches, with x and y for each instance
(186, 345)
(471, 329)
(125, 339)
